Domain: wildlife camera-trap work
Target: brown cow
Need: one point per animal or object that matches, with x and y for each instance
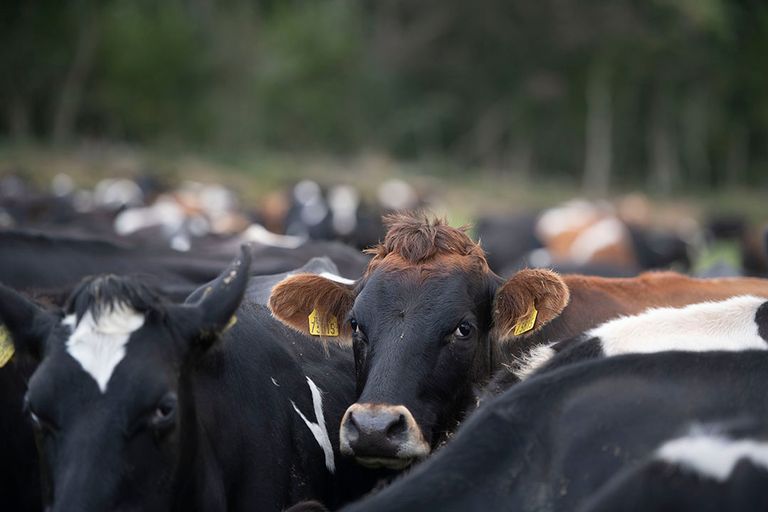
(429, 322)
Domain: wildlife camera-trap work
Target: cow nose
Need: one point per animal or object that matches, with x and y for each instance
(381, 431)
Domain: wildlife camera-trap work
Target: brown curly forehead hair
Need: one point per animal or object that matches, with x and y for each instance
(417, 239)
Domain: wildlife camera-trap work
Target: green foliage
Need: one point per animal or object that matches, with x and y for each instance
(310, 81)
(501, 84)
(152, 71)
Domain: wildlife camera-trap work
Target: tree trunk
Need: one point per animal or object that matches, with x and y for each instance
(68, 106)
(664, 160)
(696, 133)
(598, 153)
(18, 120)
(737, 158)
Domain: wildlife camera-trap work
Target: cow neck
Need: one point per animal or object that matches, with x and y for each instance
(193, 452)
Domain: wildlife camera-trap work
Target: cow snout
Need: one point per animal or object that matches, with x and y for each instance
(382, 435)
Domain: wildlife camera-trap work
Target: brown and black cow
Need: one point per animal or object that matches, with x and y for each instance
(430, 322)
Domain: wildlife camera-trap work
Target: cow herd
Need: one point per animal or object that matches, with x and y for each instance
(271, 375)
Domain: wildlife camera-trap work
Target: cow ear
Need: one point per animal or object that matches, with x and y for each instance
(528, 301)
(314, 305)
(24, 326)
(207, 314)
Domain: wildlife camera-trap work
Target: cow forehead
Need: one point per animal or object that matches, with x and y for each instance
(98, 342)
(416, 289)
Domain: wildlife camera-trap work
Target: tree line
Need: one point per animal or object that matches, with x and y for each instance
(666, 94)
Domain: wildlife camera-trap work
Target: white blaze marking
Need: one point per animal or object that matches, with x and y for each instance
(318, 429)
(100, 345)
(724, 325)
(712, 456)
(336, 278)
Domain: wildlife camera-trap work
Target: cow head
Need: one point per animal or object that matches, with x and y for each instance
(108, 402)
(424, 321)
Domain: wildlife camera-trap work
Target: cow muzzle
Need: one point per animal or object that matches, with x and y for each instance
(382, 435)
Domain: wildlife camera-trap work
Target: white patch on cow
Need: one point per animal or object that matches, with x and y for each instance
(165, 212)
(599, 236)
(318, 429)
(531, 361)
(306, 191)
(181, 242)
(540, 258)
(724, 325)
(713, 456)
(99, 344)
(571, 215)
(260, 234)
(344, 201)
(274, 382)
(336, 278)
(396, 194)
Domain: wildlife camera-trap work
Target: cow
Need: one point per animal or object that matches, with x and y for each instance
(429, 322)
(141, 404)
(737, 323)
(51, 265)
(555, 440)
(711, 468)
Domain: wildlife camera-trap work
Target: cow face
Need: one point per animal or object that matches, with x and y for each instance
(423, 327)
(108, 401)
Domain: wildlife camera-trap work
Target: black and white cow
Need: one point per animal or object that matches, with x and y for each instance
(139, 404)
(735, 324)
(710, 468)
(553, 441)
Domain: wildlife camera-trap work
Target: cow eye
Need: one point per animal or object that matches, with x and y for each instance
(164, 414)
(41, 424)
(463, 330)
(353, 324)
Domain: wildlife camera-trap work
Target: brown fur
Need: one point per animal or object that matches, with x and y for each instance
(415, 239)
(543, 289)
(596, 300)
(294, 298)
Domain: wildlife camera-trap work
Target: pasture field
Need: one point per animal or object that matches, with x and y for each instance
(459, 192)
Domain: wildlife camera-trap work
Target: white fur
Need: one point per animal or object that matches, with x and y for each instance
(571, 215)
(533, 360)
(260, 234)
(599, 236)
(713, 456)
(344, 201)
(396, 194)
(318, 429)
(540, 258)
(99, 345)
(337, 278)
(725, 325)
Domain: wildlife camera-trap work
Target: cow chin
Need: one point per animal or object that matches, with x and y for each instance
(387, 463)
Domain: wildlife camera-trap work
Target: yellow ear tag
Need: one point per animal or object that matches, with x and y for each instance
(317, 329)
(232, 322)
(6, 346)
(526, 323)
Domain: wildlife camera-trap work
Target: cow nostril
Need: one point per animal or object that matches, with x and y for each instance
(397, 428)
(352, 430)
